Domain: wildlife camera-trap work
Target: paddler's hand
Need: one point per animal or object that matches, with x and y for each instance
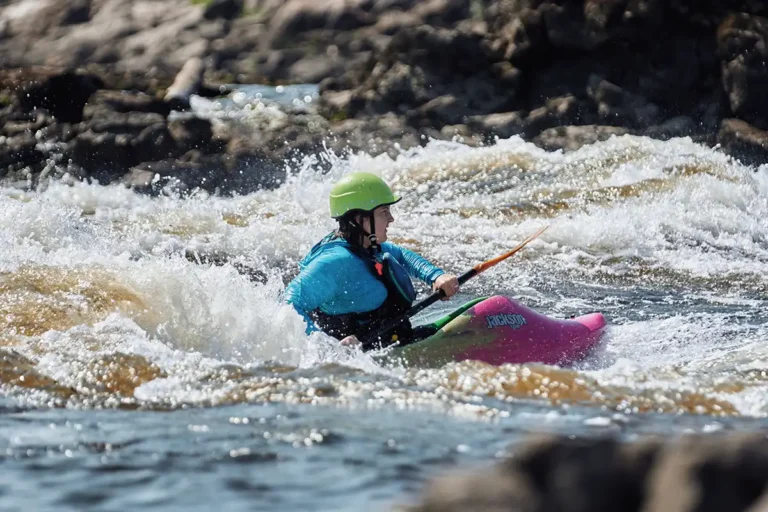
(350, 341)
(449, 283)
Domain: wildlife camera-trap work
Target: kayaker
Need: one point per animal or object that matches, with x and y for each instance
(353, 279)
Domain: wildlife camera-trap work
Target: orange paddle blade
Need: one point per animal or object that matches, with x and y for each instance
(482, 267)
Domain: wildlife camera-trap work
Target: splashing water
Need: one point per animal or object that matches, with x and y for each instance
(664, 237)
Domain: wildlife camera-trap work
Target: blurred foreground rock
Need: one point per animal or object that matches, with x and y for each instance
(698, 473)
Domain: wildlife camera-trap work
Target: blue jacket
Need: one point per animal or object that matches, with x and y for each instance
(337, 281)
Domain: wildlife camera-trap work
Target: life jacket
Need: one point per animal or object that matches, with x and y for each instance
(400, 297)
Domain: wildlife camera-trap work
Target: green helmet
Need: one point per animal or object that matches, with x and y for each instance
(360, 191)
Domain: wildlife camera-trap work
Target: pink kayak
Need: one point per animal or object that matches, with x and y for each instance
(500, 330)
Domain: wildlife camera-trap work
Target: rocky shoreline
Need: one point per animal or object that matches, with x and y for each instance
(100, 90)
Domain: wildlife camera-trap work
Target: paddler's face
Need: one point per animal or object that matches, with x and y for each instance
(382, 217)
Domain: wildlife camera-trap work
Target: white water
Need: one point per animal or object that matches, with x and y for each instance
(627, 216)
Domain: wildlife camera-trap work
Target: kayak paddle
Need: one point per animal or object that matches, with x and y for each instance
(478, 269)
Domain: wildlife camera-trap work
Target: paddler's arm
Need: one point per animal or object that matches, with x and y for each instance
(416, 265)
(313, 286)
(421, 268)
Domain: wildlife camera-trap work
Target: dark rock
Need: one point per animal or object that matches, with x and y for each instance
(710, 111)
(261, 10)
(62, 93)
(568, 28)
(425, 64)
(130, 122)
(108, 147)
(226, 9)
(743, 48)
(449, 50)
(443, 110)
(553, 78)
(139, 179)
(391, 23)
(744, 141)
(503, 125)
(106, 156)
(680, 126)
(154, 142)
(238, 42)
(298, 16)
(696, 473)
(441, 13)
(316, 68)
(619, 107)
(57, 133)
(74, 12)
(566, 110)
(571, 138)
(383, 6)
(395, 90)
(507, 76)
(191, 133)
(463, 134)
(27, 122)
(53, 15)
(673, 73)
(387, 134)
(561, 46)
(275, 63)
(240, 172)
(104, 103)
(18, 152)
(148, 37)
(337, 105)
(522, 39)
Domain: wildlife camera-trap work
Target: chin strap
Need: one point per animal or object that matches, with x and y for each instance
(375, 247)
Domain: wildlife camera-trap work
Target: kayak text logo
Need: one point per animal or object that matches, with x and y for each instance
(513, 321)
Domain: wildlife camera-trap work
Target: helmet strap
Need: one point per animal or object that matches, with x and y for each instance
(375, 247)
(359, 232)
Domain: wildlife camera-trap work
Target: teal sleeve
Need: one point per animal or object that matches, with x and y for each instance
(417, 266)
(315, 285)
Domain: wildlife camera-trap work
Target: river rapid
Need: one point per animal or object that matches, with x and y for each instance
(147, 360)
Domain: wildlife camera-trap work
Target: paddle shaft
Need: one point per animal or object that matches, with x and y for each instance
(439, 294)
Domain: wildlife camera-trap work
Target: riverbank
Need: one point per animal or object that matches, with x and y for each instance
(392, 76)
